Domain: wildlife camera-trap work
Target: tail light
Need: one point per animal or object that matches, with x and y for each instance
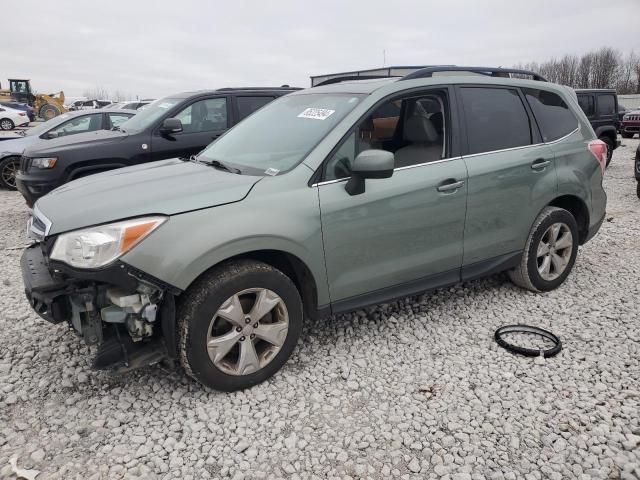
(599, 150)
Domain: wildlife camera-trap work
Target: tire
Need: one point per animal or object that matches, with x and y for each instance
(638, 189)
(610, 145)
(8, 168)
(527, 274)
(7, 124)
(626, 135)
(200, 322)
(48, 111)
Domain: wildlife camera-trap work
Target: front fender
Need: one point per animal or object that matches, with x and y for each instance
(191, 243)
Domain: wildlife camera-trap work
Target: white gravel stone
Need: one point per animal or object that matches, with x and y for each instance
(415, 388)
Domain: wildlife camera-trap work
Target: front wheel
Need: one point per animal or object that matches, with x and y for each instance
(48, 111)
(550, 252)
(238, 325)
(6, 124)
(8, 168)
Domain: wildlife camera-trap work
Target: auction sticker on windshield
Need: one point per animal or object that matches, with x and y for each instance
(316, 113)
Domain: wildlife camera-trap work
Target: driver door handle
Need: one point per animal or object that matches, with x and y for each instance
(450, 185)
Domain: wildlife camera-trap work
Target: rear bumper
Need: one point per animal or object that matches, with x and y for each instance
(594, 229)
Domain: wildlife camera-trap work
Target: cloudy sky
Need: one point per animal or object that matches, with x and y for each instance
(153, 48)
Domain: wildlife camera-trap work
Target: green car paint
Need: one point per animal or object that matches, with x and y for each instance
(388, 241)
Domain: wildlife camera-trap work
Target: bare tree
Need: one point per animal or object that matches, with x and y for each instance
(96, 93)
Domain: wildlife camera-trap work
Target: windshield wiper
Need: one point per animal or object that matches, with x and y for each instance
(220, 165)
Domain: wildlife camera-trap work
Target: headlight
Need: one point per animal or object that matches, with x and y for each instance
(44, 162)
(98, 246)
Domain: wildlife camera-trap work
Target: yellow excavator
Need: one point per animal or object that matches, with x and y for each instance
(46, 106)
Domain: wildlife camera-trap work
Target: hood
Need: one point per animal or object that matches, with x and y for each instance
(15, 146)
(166, 187)
(54, 145)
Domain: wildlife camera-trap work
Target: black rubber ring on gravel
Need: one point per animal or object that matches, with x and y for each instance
(529, 352)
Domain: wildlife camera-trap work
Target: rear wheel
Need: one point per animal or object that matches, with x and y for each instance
(550, 252)
(238, 325)
(8, 169)
(48, 111)
(609, 143)
(6, 124)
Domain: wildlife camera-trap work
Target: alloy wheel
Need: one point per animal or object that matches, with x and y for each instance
(554, 251)
(6, 125)
(8, 173)
(247, 331)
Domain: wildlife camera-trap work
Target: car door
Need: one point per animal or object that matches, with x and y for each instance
(511, 175)
(404, 233)
(203, 121)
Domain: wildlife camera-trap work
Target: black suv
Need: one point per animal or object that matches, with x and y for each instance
(176, 126)
(601, 108)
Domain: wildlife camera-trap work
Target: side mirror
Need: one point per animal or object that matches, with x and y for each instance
(369, 164)
(170, 126)
(52, 135)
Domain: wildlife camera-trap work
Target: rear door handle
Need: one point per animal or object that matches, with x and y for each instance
(540, 164)
(450, 185)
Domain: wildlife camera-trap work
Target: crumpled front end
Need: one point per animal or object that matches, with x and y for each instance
(130, 317)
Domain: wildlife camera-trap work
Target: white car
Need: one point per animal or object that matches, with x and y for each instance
(11, 118)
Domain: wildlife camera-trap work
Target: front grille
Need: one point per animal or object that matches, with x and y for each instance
(25, 164)
(632, 118)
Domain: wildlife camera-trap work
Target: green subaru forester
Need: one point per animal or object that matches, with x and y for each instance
(343, 195)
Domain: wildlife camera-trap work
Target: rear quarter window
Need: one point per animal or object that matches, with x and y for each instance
(606, 105)
(552, 113)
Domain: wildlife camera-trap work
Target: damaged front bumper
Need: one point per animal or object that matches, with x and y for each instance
(127, 314)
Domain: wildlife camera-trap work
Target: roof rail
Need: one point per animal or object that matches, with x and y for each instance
(373, 73)
(283, 87)
(423, 71)
(427, 72)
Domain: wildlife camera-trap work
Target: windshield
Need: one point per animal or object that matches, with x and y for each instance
(149, 115)
(278, 136)
(48, 125)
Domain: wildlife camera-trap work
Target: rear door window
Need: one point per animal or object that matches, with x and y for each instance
(553, 115)
(587, 104)
(606, 105)
(248, 105)
(495, 119)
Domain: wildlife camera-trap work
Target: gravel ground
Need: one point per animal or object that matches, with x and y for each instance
(412, 389)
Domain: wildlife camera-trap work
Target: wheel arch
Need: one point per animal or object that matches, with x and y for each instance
(289, 264)
(607, 131)
(84, 170)
(578, 208)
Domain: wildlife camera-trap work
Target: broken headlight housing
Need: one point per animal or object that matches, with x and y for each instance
(99, 246)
